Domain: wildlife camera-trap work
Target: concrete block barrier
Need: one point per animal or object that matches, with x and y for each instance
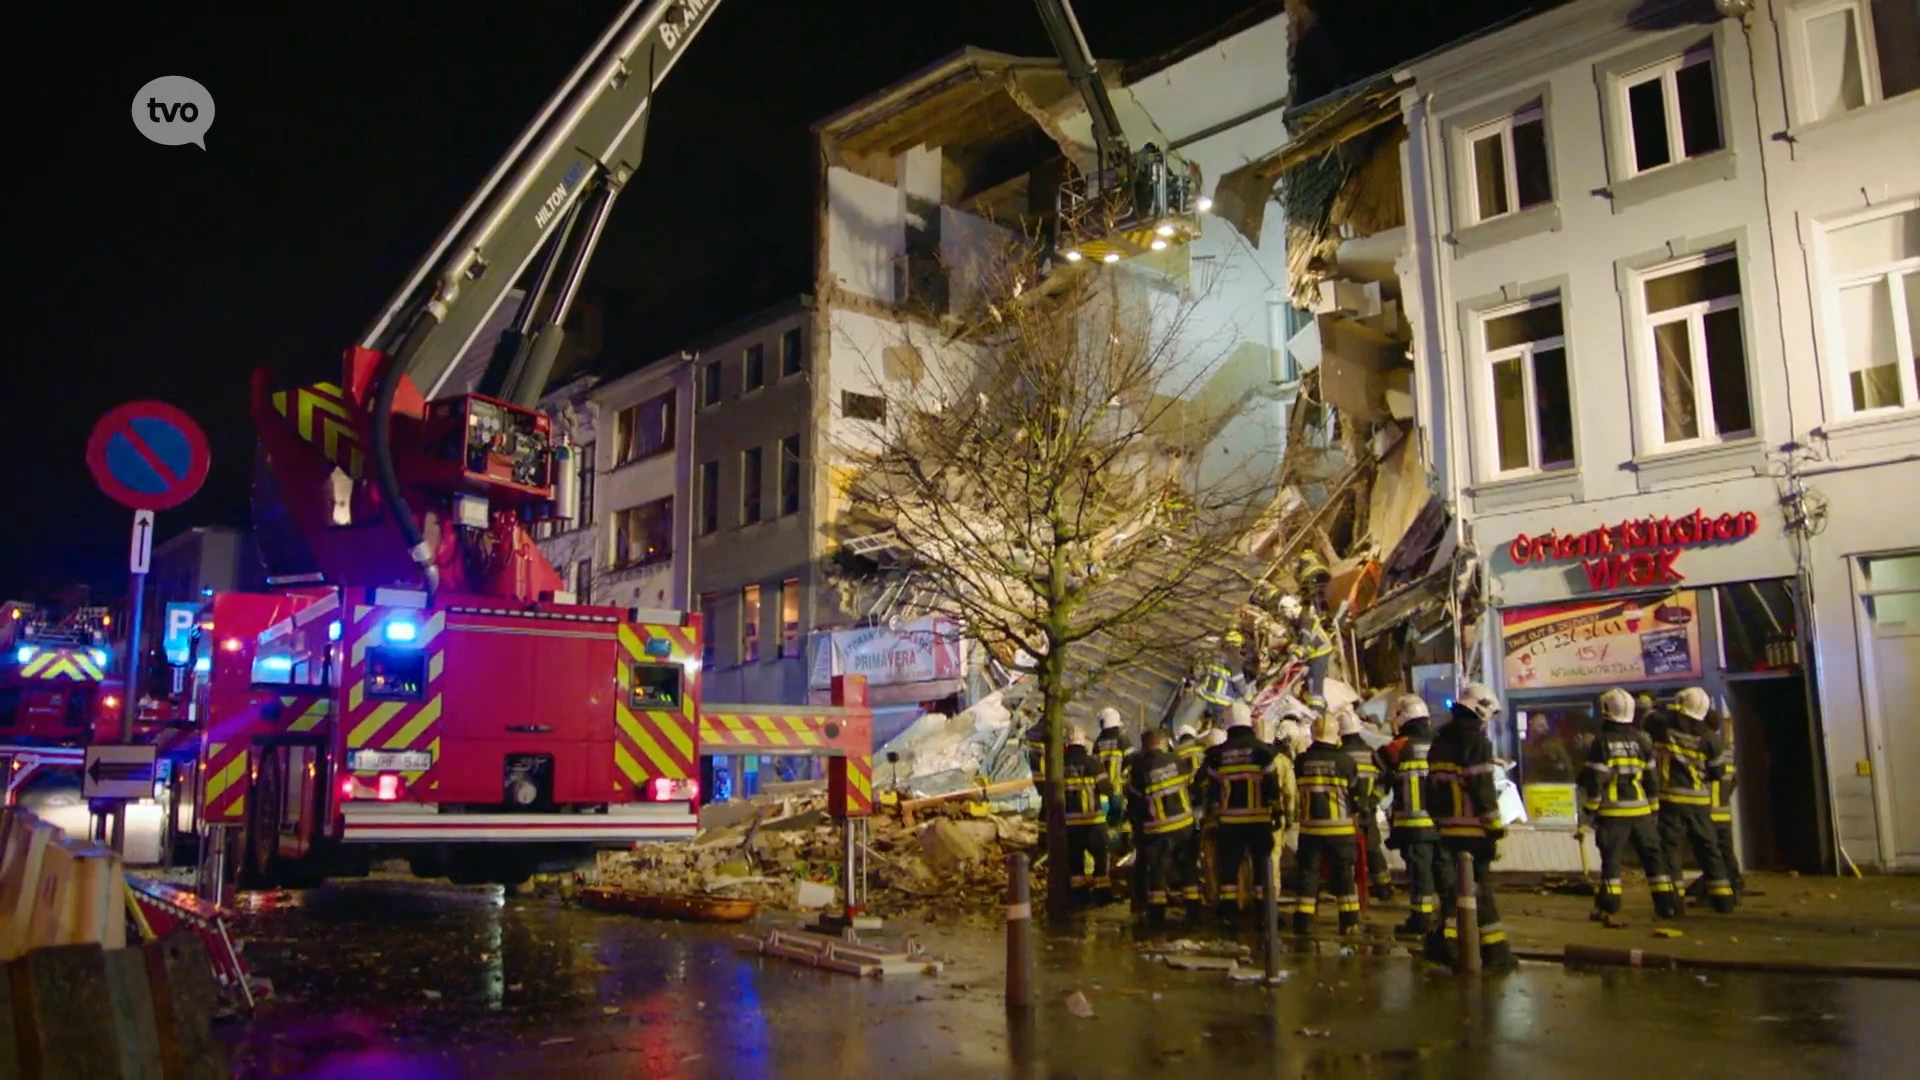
(83, 1011)
(24, 840)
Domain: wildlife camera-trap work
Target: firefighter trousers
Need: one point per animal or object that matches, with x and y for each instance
(1153, 864)
(1303, 899)
(1429, 872)
(1693, 826)
(1086, 842)
(1495, 952)
(1612, 835)
(1233, 845)
(1379, 874)
(1186, 868)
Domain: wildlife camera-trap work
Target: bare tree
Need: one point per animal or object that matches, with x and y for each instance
(1044, 479)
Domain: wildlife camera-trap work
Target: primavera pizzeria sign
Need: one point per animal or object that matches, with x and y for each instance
(1635, 553)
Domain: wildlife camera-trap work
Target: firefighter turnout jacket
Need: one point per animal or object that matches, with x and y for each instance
(1366, 783)
(1691, 758)
(1404, 771)
(1466, 804)
(1159, 785)
(1087, 785)
(1723, 786)
(1110, 747)
(1620, 779)
(1243, 779)
(1325, 777)
(1310, 638)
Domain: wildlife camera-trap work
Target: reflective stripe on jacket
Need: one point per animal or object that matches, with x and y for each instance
(1690, 760)
(1460, 763)
(1619, 779)
(1404, 765)
(1086, 783)
(1243, 779)
(1325, 775)
(1160, 785)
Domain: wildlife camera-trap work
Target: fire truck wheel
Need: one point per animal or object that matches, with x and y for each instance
(260, 869)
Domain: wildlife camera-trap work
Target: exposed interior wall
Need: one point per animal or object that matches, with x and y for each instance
(866, 234)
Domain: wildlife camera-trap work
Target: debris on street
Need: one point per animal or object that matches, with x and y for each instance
(787, 856)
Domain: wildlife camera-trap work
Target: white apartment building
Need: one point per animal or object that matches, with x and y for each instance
(1661, 261)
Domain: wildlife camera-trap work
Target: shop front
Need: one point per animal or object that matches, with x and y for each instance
(1652, 603)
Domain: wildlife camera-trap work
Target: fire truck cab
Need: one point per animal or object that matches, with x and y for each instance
(474, 738)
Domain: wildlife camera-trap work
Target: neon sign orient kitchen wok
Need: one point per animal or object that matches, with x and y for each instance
(1637, 552)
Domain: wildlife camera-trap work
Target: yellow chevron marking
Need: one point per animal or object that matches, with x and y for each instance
(311, 718)
(377, 719)
(355, 695)
(435, 665)
(663, 765)
(280, 402)
(218, 783)
(89, 668)
(631, 642)
(359, 654)
(36, 665)
(675, 728)
(862, 782)
(422, 720)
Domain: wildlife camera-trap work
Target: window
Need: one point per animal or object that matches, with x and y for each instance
(1873, 303)
(753, 368)
(750, 624)
(396, 674)
(1698, 350)
(653, 686)
(1672, 111)
(790, 617)
(1509, 162)
(1528, 392)
(709, 497)
(790, 475)
(709, 625)
(710, 384)
(583, 581)
(643, 430)
(750, 486)
(585, 516)
(643, 534)
(791, 360)
(869, 407)
(1850, 54)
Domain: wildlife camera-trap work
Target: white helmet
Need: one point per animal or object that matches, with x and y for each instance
(1616, 706)
(1186, 732)
(1476, 699)
(1216, 737)
(1239, 714)
(1077, 737)
(1349, 720)
(1290, 606)
(1326, 729)
(1693, 703)
(1408, 707)
(1109, 718)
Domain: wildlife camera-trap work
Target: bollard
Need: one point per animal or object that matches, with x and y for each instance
(1467, 956)
(1270, 916)
(1019, 934)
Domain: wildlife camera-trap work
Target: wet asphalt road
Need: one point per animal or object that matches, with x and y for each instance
(390, 979)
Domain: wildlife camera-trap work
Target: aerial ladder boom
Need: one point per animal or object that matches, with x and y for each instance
(547, 200)
(1083, 71)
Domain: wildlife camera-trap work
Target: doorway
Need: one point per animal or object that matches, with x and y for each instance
(1892, 609)
(1778, 799)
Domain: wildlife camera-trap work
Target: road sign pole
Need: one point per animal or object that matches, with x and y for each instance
(130, 700)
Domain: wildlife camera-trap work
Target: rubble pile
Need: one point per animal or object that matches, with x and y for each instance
(787, 856)
(939, 754)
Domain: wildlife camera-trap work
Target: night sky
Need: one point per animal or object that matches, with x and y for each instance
(347, 134)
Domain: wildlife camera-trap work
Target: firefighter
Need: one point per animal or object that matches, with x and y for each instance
(1244, 786)
(1325, 777)
(1722, 811)
(1221, 680)
(1088, 792)
(1111, 745)
(1311, 646)
(1037, 755)
(1466, 806)
(1186, 874)
(1403, 769)
(1690, 759)
(1367, 794)
(1619, 789)
(1161, 789)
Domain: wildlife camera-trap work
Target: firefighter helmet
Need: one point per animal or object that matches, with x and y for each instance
(1326, 729)
(1235, 638)
(1109, 718)
(1076, 737)
(1616, 706)
(1290, 606)
(1185, 732)
(1239, 714)
(1349, 720)
(1216, 737)
(1693, 703)
(1476, 701)
(1408, 707)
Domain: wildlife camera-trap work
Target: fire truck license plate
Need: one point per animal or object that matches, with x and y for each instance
(392, 760)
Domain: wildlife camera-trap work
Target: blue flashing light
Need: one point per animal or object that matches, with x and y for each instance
(1447, 703)
(401, 630)
(203, 665)
(206, 592)
(100, 657)
(333, 630)
(24, 654)
(281, 664)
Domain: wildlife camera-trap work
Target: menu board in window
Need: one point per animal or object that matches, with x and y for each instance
(1603, 642)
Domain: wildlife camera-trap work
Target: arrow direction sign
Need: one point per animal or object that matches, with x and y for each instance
(142, 553)
(118, 772)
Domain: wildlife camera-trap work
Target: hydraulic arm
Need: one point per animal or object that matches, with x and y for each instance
(1083, 71)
